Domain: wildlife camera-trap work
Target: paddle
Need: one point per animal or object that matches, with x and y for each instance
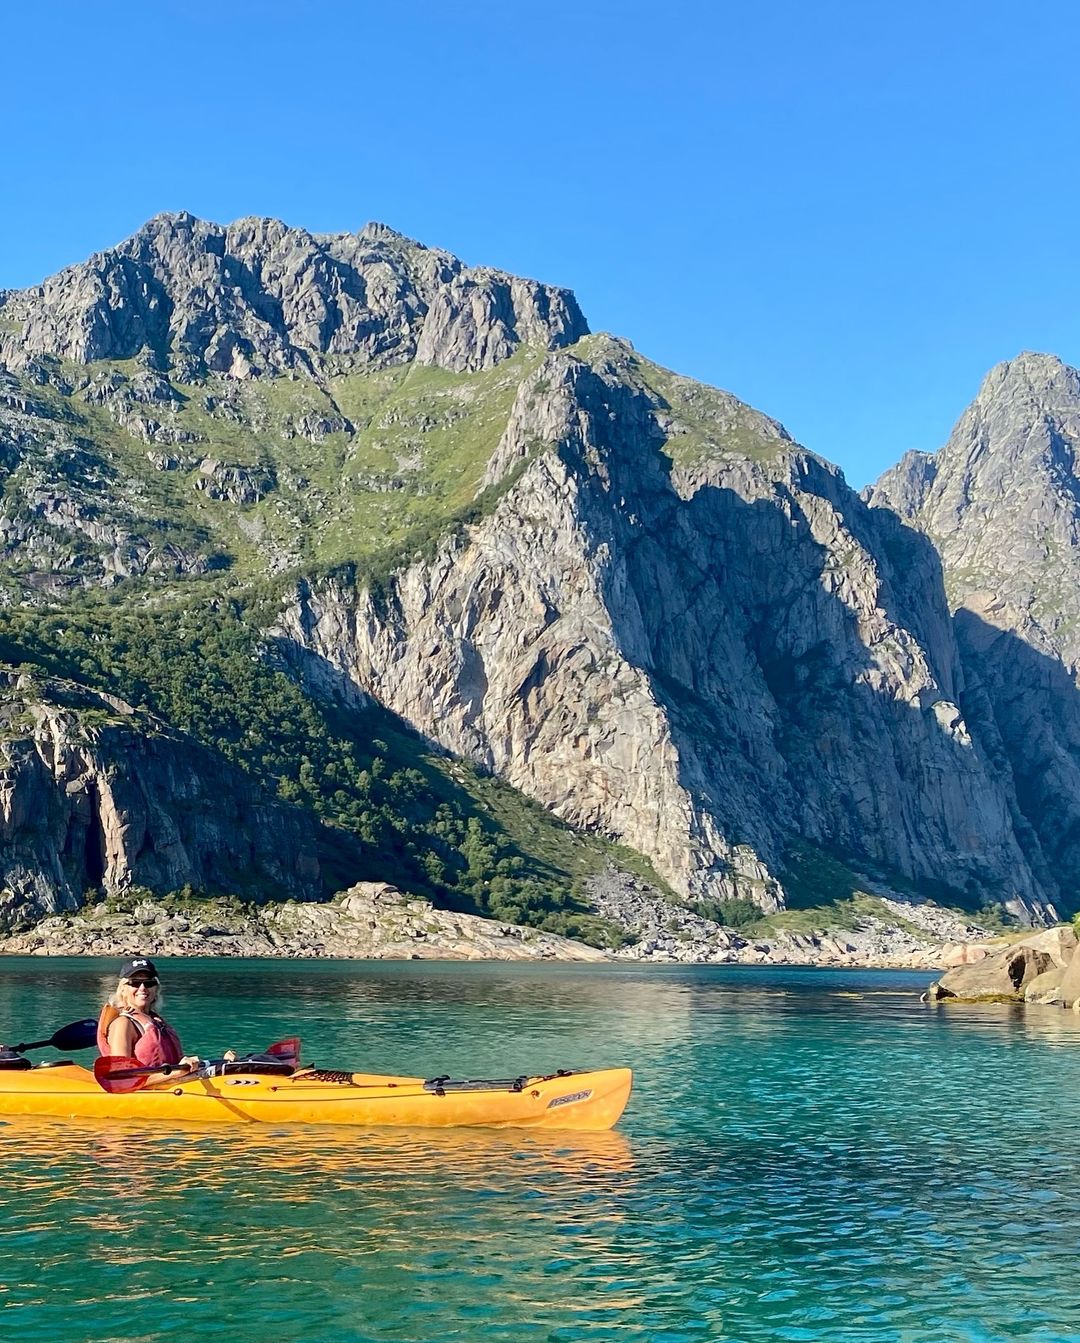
(116, 1074)
(75, 1035)
(119, 1075)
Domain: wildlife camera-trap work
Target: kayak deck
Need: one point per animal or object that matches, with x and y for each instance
(567, 1100)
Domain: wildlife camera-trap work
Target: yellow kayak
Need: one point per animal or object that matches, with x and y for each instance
(565, 1100)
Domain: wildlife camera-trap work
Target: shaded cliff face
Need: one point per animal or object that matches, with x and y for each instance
(1001, 503)
(681, 628)
(92, 796)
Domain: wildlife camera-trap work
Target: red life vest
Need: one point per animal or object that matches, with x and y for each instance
(157, 1044)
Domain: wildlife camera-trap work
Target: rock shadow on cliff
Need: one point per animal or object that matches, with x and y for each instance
(813, 690)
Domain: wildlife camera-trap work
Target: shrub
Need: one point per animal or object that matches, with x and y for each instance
(738, 912)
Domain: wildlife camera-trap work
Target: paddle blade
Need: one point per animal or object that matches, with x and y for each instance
(288, 1050)
(117, 1074)
(78, 1035)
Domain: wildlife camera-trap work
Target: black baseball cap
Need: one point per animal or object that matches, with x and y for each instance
(139, 965)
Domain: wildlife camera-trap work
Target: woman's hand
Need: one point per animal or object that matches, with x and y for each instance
(190, 1061)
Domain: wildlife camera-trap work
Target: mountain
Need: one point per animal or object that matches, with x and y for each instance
(1001, 501)
(320, 501)
(1001, 504)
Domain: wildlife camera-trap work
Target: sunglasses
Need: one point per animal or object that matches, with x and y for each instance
(144, 983)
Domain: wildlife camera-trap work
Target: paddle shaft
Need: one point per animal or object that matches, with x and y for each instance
(125, 1074)
(117, 1068)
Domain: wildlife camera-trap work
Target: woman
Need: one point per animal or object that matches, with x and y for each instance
(130, 1025)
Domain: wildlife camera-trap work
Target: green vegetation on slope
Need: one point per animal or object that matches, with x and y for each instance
(823, 893)
(367, 468)
(64, 456)
(358, 462)
(426, 822)
(707, 422)
(737, 912)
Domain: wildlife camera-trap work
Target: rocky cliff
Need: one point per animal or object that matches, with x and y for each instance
(93, 795)
(628, 595)
(1001, 504)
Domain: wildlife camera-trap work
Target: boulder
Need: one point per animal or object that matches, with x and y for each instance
(1045, 988)
(1004, 975)
(1058, 943)
(1070, 982)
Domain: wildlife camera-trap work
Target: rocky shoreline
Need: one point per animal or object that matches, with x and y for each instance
(370, 921)
(890, 934)
(374, 920)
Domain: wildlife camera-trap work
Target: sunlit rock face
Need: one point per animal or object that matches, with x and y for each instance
(258, 297)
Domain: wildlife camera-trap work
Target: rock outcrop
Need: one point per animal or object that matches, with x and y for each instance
(257, 297)
(1044, 968)
(94, 796)
(883, 933)
(373, 920)
(370, 921)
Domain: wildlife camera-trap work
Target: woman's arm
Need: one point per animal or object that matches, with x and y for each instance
(123, 1037)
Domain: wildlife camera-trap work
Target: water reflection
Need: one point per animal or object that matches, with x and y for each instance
(1016, 1021)
(387, 1221)
(193, 1152)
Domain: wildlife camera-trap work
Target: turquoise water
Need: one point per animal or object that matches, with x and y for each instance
(808, 1155)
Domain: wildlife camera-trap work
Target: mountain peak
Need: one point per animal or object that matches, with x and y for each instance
(374, 231)
(260, 296)
(1023, 427)
(1032, 376)
(1026, 411)
(174, 218)
(1001, 499)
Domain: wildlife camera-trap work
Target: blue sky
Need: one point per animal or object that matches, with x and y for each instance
(844, 213)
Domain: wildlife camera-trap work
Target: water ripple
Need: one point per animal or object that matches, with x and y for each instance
(806, 1157)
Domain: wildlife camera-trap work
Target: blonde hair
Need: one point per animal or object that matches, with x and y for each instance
(122, 998)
